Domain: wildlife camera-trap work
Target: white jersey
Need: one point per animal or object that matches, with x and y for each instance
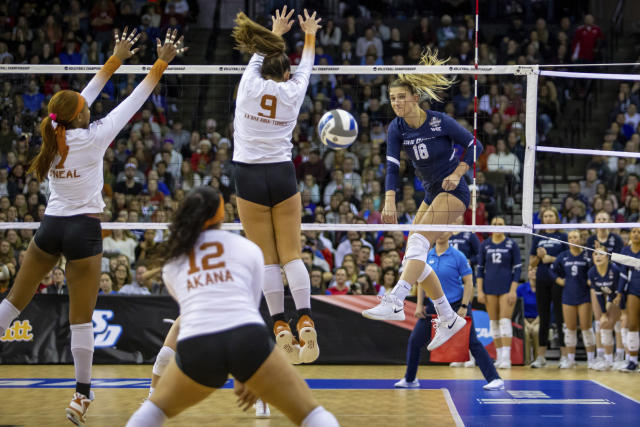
(76, 188)
(267, 111)
(218, 286)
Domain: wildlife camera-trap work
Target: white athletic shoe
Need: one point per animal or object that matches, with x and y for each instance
(601, 365)
(262, 409)
(390, 308)
(497, 384)
(592, 363)
(471, 363)
(457, 364)
(540, 362)
(445, 330)
(566, 363)
(504, 364)
(77, 409)
(404, 384)
(620, 365)
(618, 357)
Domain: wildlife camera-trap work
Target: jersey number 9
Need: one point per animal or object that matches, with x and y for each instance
(269, 103)
(205, 261)
(421, 152)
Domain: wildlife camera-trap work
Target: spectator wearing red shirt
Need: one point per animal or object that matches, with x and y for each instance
(341, 286)
(584, 45)
(631, 189)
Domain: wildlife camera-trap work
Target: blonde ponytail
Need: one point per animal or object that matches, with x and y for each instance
(253, 38)
(427, 85)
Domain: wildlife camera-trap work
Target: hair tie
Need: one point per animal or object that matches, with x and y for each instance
(53, 116)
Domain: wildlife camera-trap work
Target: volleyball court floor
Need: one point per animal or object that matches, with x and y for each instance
(36, 395)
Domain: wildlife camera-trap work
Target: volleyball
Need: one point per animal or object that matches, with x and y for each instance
(337, 129)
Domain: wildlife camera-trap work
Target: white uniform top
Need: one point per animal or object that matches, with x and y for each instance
(219, 286)
(267, 111)
(77, 187)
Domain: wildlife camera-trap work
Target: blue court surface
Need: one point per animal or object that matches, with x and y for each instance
(522, 403)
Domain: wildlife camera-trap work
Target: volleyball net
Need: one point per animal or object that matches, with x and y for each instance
(514, 121)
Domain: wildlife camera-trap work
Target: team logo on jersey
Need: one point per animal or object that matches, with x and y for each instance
(105, 335)
(20, 330)
(435, 124)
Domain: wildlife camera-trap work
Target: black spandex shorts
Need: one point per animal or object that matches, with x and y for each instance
(75, 237)
(209, 359)
(266, 184)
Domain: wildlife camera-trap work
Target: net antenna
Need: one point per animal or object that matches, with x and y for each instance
(475, 122)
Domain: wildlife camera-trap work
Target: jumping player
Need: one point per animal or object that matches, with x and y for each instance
(499, 269)
(427, 138)
(269, 100)
(71, 157)
(216, 278)
(570, 270)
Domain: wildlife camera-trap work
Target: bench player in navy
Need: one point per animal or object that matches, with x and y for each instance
(427, 138)
(499, 270)
(604, 239)
(630, 290)
(604, 277)
(570, 271)
(543, 254)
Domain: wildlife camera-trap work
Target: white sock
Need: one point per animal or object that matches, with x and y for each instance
(82, 350)
(620, 352)
(401, 289)
(8, 312)
(443, 308)
(506, 353)
(499, 354)
(600, 352)
(571, 357)
(320, 417)
(273, 289)
(299, 283)
(147, 415)
(609, 357)
(590, 356)
(634, 359)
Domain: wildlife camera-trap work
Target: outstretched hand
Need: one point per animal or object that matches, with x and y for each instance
(171, 47)
(124, 44)
(310, 25)
(282, 22)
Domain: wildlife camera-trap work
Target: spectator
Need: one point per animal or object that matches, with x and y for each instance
(586, 42)
(59, 285)
(33, 98)
(317, 281)
(141, 286)
(120, 242)
(330, 37)
(589, 185)
(122, 274)
(369, 39)
(632, 188)
(389, 279)
(341, 285)
(106, 284)
(129, 186)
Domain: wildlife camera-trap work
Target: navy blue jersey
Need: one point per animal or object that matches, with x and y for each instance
(467, 243)
(552, 247)
(605, 286)
(613, 242)
(429, 147)
(574, 269)
(629, 276)
(499, 264)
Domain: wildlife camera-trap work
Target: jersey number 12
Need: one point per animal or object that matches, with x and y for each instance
(205, 261)
(420, 151)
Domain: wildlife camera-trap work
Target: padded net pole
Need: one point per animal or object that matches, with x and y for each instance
(528, 183)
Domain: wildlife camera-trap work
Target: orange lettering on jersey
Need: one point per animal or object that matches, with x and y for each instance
(62, 173)
(228, 277)
(210, 278)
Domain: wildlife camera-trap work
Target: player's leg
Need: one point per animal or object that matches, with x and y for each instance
(420, 335)
(286, 224)
(174, 393)
(479, 352)
(633, 338)
(586, 327)
(493, 309)
(83, 279)
(506, 329)
(597, 314)
(37, 263)
(543, 302)
(570, 314)
(556, 295)
(166, 353)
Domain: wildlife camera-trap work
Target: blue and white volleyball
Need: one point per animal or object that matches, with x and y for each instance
(337, 129)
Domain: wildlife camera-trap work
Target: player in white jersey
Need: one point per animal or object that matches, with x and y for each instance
(267, 107)
(71, 157)
(216, 276)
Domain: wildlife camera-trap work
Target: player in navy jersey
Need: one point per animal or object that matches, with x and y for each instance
(630, 289)
(543, 254)
(570, 270)
(428, 139)
(499, 269)
(467, 243)
(603, 279)
(608, 241)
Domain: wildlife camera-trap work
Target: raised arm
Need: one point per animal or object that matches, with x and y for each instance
(121, 52)
(310, 25)
(111, 125)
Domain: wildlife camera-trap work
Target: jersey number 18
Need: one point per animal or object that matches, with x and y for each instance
(420, 151)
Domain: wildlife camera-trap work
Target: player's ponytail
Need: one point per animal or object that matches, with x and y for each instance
(63, 108)
(426, 85)
(253, 38)
(202, 208)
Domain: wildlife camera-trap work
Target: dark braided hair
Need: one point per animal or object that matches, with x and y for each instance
(198, 206)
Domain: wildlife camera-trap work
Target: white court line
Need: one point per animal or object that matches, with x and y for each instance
(452, 407)
(615, 391)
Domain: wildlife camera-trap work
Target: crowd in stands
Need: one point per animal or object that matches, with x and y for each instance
(161, 154)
